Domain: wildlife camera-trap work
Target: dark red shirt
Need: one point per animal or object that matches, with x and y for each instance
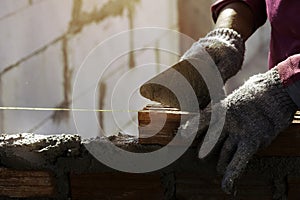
(284, 17)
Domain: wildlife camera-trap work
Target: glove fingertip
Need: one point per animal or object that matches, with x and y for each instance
(228, 185)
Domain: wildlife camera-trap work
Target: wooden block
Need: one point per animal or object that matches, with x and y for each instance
(26, 184)
(158, 125)
(116, 185)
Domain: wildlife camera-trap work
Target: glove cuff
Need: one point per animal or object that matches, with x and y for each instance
(279, 99)
(229, 54)
(225, 46)
(228, 36)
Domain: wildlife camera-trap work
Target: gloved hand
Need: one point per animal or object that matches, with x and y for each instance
(256, 113)
(225, 46)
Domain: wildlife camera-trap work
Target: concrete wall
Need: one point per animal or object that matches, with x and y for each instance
(44, 43)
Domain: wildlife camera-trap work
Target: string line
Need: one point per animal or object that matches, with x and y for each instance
(62, 109)
(93, 110)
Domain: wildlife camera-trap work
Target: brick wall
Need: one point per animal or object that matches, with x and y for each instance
(60, 167)
(44, 42)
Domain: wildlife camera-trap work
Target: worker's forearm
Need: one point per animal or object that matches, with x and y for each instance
(237, 16)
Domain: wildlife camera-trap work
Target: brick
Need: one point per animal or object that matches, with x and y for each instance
(116, 186)
(293, 187)
(286, 143)
(203, 186)
(254, 186)
(9, 7)
(34, 83)
(159, 126)
(32, 28)
(26, 184)
(193, 186)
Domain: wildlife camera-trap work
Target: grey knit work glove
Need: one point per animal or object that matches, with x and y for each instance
(222, 47)
(225, 46)
(256, 113)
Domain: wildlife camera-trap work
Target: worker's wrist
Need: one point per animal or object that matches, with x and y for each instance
(226, 48)
(237, 16)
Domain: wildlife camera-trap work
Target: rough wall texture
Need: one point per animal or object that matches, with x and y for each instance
(43, 44)
(194, 19)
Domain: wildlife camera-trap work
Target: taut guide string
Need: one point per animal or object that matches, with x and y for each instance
(93, 110)
(62, 109)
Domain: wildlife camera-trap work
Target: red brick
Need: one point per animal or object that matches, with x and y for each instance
(26, 184)
(165, 121)
(197, 186)
(293, 188)
(116, 186)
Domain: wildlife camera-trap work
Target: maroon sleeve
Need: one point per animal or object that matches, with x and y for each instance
(258, 8)
(289, 71)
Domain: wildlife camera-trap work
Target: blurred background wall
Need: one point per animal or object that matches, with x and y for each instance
(44, 43)
(195, 20)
